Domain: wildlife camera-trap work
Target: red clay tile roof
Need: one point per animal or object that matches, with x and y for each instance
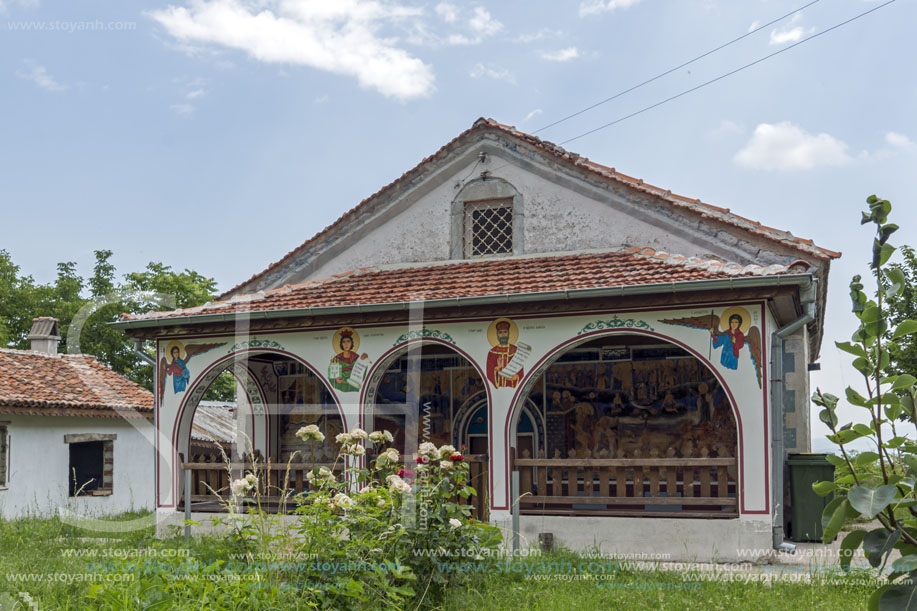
(481, 278)
(36, 383)
(695, 206)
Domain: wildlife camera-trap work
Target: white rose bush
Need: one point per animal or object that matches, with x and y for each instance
(371, 527)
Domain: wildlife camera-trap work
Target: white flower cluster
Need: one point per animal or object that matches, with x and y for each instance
(243, 486)
(342, 501)
(350, 442)
(428, 452)
(390, 455)
(310, 433)
(324, 474)
(396, 484)
(454, 523)
(381, 437)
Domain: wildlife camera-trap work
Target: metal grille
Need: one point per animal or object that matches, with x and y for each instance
(489, 228)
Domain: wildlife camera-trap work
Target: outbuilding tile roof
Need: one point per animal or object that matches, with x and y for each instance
(695, 206)
(483, 278)
(37, 383)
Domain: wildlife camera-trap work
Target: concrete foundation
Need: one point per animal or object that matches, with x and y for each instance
(659, 539)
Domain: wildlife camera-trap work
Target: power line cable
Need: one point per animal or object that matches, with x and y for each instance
(678, 67)
(722, 76)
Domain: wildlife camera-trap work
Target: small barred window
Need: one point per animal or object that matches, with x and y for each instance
(489, 228)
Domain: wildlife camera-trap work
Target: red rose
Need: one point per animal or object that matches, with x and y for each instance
(421, 459)
(456, 457)
(464, 447)
(405, 473)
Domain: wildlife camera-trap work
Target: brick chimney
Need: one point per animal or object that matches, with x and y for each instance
(44, 334)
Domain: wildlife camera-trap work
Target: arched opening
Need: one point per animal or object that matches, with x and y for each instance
(276, 394)
(633, 425)
(431, 392)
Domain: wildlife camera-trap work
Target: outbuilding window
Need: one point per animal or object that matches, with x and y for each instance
(489, 228)
(91, 464)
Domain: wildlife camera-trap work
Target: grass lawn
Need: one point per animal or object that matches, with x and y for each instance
(60, 567)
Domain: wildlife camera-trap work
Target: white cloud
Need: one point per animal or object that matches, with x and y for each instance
(494, 72)
(447, 11)
(189, 89)
(754, 25)
(464, 27)
(899, 141)
(531, 115)
(593, 7)
(787, 147)
(341, 37)
(790, 32)
(539, 35)
(183, 110)
(727, 127)
(483, 22)
(26, 3)
(39, 75)
(562, 55)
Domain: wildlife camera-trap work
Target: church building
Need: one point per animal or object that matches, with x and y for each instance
(626, 367)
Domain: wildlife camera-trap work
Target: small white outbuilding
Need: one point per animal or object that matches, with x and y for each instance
(73, 433)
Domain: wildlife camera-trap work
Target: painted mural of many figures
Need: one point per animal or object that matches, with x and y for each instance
(344, 365)
(179, 354)
(730, 332)
(507, 355)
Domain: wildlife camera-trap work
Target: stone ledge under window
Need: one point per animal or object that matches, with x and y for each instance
(84, 437)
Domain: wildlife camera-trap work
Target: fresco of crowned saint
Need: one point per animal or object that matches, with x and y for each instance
(347, 340)
(503, 335)
(178, 367)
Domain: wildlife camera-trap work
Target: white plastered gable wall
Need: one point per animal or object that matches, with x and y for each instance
(558, 209)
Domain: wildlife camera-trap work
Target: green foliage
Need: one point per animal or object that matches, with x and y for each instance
(380, 530)
(85, 307)
(881, 484)
(900, 288)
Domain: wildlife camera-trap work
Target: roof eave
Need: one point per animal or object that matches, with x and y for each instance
(616, 291)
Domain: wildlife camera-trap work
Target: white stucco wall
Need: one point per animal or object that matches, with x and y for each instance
(546, 336)
(39, 464)
(561, 214)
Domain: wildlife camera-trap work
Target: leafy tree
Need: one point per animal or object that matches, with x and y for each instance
(877, 485)
(903, 306)
(67, 299)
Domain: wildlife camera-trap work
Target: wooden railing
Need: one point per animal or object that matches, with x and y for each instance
(671, 487)
(211, 477)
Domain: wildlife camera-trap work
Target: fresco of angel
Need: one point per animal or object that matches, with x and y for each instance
(729, 339)
(178, 367)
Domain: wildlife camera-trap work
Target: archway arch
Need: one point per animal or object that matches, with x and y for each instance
(260, 415)
(417, 391)
(448, 379)
(625, 394)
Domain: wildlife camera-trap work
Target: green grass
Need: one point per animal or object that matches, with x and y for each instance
(652, 589)
(40, 547)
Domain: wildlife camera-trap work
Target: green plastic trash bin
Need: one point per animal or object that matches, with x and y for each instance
(807, 507)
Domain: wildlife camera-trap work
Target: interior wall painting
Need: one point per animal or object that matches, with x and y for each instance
(174, 363)
(304, 400)
(732, 333)
(507, 356)
(346, 372)
(663, 403)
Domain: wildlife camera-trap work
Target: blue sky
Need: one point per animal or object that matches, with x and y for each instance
(220, 134)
